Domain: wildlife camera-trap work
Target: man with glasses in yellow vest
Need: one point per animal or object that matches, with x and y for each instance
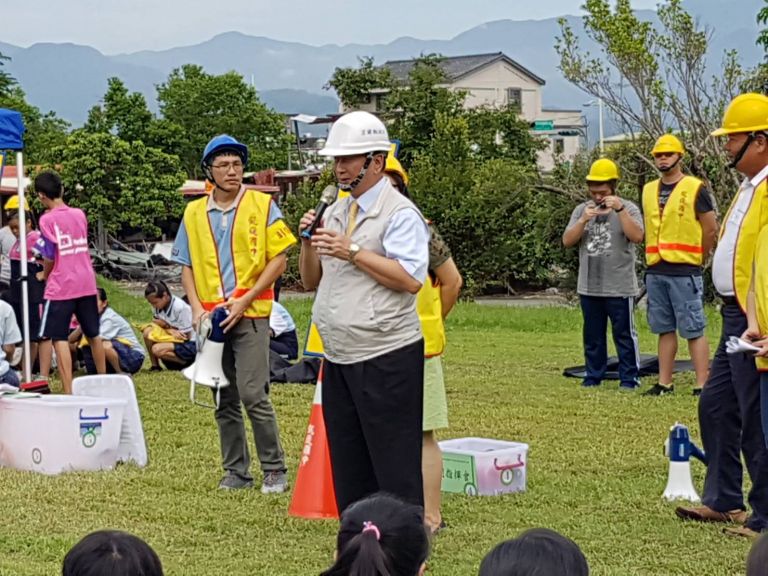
(232, 247)
(680, 232)
(368, 260)
(729, 406)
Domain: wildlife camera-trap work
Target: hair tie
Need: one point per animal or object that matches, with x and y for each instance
(371, 527)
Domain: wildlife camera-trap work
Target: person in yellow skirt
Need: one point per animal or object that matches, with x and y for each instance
(434, 301)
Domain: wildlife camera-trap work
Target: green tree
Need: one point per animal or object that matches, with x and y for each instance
(7, 82)
(204, 105)
(654, 80)
(353, 86)
(126, 115)
(415, 107)
(44, 132)
(120, 183)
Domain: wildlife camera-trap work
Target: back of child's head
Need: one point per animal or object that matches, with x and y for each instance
(536, 552)
(757, 561)
(156, 288)
(111, 553)
(102, 294)
(48, 184)
(380, 536)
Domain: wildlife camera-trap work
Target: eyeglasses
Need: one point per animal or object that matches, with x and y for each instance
(237, 166)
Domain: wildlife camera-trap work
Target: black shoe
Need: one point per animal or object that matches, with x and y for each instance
(155, 369)
(659, 390)
(697, 392)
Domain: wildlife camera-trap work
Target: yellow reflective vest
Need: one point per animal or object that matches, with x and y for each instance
(754, 221)
(674, 233)
(429, 307)
(254, 243)
(761, 289)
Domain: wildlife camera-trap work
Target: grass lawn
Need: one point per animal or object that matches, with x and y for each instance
(596, 469)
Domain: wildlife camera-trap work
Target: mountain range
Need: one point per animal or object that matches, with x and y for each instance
(69, 79)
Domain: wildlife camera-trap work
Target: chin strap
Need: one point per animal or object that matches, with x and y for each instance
(675, 163)
(743, 150)
(356, 182)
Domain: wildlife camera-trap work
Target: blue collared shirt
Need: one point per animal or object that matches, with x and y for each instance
(221, 225)
(406, 238)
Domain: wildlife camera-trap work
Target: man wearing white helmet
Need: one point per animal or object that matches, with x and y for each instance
(368, 259)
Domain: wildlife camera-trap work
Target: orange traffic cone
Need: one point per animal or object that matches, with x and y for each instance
(314, 496)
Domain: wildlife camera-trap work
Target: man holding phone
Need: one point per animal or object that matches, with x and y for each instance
(606, 228)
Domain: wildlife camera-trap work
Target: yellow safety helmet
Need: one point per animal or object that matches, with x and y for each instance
(745, 113)
(13, 204)
(393, 165)
(668, 143)
(603, 170)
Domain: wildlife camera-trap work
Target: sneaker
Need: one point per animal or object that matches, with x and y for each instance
(275, 482)
(659, 390)
(590, 383)
(628, 386)
(155, 369)
(234, 482)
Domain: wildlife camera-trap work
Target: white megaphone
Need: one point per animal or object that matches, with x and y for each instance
(207, 370)
(679, 449)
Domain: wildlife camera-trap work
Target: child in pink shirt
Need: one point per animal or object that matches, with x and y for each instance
(70, 280)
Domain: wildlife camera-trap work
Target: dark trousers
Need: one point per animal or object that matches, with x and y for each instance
(286, 345)
(729, 417)
(373, 415)
(597, 310)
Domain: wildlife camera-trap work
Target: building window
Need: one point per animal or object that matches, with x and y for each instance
(380, 101)
(365, 98)
(515, 98)
(559, 146)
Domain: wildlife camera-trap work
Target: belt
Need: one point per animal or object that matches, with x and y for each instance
(729, 300)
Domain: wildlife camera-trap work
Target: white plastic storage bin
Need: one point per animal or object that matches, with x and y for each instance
(482, 466)
(53, 434)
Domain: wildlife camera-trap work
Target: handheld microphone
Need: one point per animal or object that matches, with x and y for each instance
(327, 198)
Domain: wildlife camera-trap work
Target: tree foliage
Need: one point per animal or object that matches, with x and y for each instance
(121, 183)
(353, 86)
(656, 80)
(472, 173)
(44, 131)
(7, 82)
(203, 105)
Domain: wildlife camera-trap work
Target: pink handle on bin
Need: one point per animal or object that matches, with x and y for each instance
(518, 464)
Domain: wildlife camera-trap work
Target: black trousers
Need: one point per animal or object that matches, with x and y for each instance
(373, 413)
(729, 416)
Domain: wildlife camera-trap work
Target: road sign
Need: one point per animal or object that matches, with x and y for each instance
(543, 125)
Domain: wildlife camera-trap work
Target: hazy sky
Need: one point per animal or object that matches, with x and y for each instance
(114, 26)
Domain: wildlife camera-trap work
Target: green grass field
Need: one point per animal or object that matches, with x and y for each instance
(596, 469)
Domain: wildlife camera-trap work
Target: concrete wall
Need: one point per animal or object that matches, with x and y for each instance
(488, 86)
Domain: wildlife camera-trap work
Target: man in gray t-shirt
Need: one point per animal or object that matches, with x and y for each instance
(606, 228)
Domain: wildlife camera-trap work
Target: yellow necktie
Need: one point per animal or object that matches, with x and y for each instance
(352, 218)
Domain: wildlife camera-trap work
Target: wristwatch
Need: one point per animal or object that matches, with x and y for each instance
(619, 210)
(353, 250)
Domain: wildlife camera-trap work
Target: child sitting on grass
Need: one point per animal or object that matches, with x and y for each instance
(170, 335)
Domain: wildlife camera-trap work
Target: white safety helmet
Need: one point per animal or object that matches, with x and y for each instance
(356, 133)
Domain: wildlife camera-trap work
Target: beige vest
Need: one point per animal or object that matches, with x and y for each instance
(358, 318)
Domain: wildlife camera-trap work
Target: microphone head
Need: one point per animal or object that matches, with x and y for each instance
(329, 194)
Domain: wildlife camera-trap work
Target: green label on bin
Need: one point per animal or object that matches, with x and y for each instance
(459, 474)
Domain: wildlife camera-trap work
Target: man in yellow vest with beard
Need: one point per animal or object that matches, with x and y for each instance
(729, 407)
(680, 231)
(231, 246)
